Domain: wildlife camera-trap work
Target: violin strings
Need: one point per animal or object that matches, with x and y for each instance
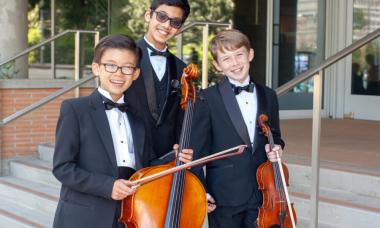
(277, 175)
(282, 196)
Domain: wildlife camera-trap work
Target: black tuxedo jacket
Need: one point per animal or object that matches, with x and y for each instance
(164, 127)
(85, 162)
(218, 125)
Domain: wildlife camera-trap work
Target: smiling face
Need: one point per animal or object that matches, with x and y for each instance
(234, 63)
(160, 32)
(116, 83)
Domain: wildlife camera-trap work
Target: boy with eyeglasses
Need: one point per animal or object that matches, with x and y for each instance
(155, 95)
(100, 143)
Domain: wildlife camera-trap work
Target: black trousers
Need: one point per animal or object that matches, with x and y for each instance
(243, 216)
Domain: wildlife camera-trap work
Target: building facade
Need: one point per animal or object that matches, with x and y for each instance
(289, 37)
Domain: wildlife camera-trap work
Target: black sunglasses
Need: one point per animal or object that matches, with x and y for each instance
(163, 17)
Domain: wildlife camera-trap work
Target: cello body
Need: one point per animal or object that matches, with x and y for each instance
(148, 206)
(177, 200)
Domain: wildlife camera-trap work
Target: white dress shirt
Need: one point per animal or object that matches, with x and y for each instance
(158, 62)
(248, 107)
(121, 133)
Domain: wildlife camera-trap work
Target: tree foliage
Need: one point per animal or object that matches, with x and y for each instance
(211, 10)
(127, 16)
(132, 23)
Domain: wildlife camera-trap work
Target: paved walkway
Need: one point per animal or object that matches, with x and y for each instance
(345, 144)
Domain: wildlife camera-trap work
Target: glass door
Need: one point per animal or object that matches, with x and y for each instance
(298, 45)
(364, 85)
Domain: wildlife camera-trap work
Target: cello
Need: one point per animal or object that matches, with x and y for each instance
(171, 201)
(272, 178)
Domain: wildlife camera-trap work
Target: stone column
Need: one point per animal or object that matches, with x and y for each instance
(14, 35)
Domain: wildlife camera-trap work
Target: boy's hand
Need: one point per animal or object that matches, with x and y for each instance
(272, 154)
(211, 206)
(121, 189)
(185, 156)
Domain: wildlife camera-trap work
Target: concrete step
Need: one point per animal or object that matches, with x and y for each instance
(359, 183)
(347, 198)
(36, 196)
(338, 208)
(45, 152)
(33, 169)
(16, 216)
(304, 223)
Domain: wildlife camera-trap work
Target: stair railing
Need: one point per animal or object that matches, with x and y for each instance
(75, 85)
(51, 40)
(317, 74)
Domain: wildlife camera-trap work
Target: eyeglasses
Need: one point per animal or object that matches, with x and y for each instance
(163, 17)
(112, 68)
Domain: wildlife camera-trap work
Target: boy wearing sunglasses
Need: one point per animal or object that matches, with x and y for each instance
(154, 95)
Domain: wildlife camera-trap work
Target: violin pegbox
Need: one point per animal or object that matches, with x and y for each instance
(190, 74)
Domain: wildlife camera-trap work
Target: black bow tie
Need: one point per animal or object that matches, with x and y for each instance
(155, 52)
(238, 89)
(159, 53)
(108, 104)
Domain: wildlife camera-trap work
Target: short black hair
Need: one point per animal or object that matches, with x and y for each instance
(118, 41)
(183, 4)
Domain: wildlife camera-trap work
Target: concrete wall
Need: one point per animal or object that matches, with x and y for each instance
(14, 33)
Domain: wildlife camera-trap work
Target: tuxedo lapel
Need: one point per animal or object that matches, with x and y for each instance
(233, 110)
(170, 93)
(148, 75)
(99, 117)
(138, 139)
(261, 109)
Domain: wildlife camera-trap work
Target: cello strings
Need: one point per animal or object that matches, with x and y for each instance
(178, 179)
(186, 145)
(174, 193)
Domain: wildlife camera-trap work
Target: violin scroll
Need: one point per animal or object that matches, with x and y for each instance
(262, 121)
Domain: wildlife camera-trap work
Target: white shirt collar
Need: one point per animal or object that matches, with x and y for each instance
(163, 50)
(108, 95)
(237, 83)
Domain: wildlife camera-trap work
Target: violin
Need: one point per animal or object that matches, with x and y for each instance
(272, 178)
(175, 200)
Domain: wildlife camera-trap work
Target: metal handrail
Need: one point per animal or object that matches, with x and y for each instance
(317, 73)
(58, 93)
(203, 23)
(205, 36)
(44, 100)
(53, 38)
(328, 62)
